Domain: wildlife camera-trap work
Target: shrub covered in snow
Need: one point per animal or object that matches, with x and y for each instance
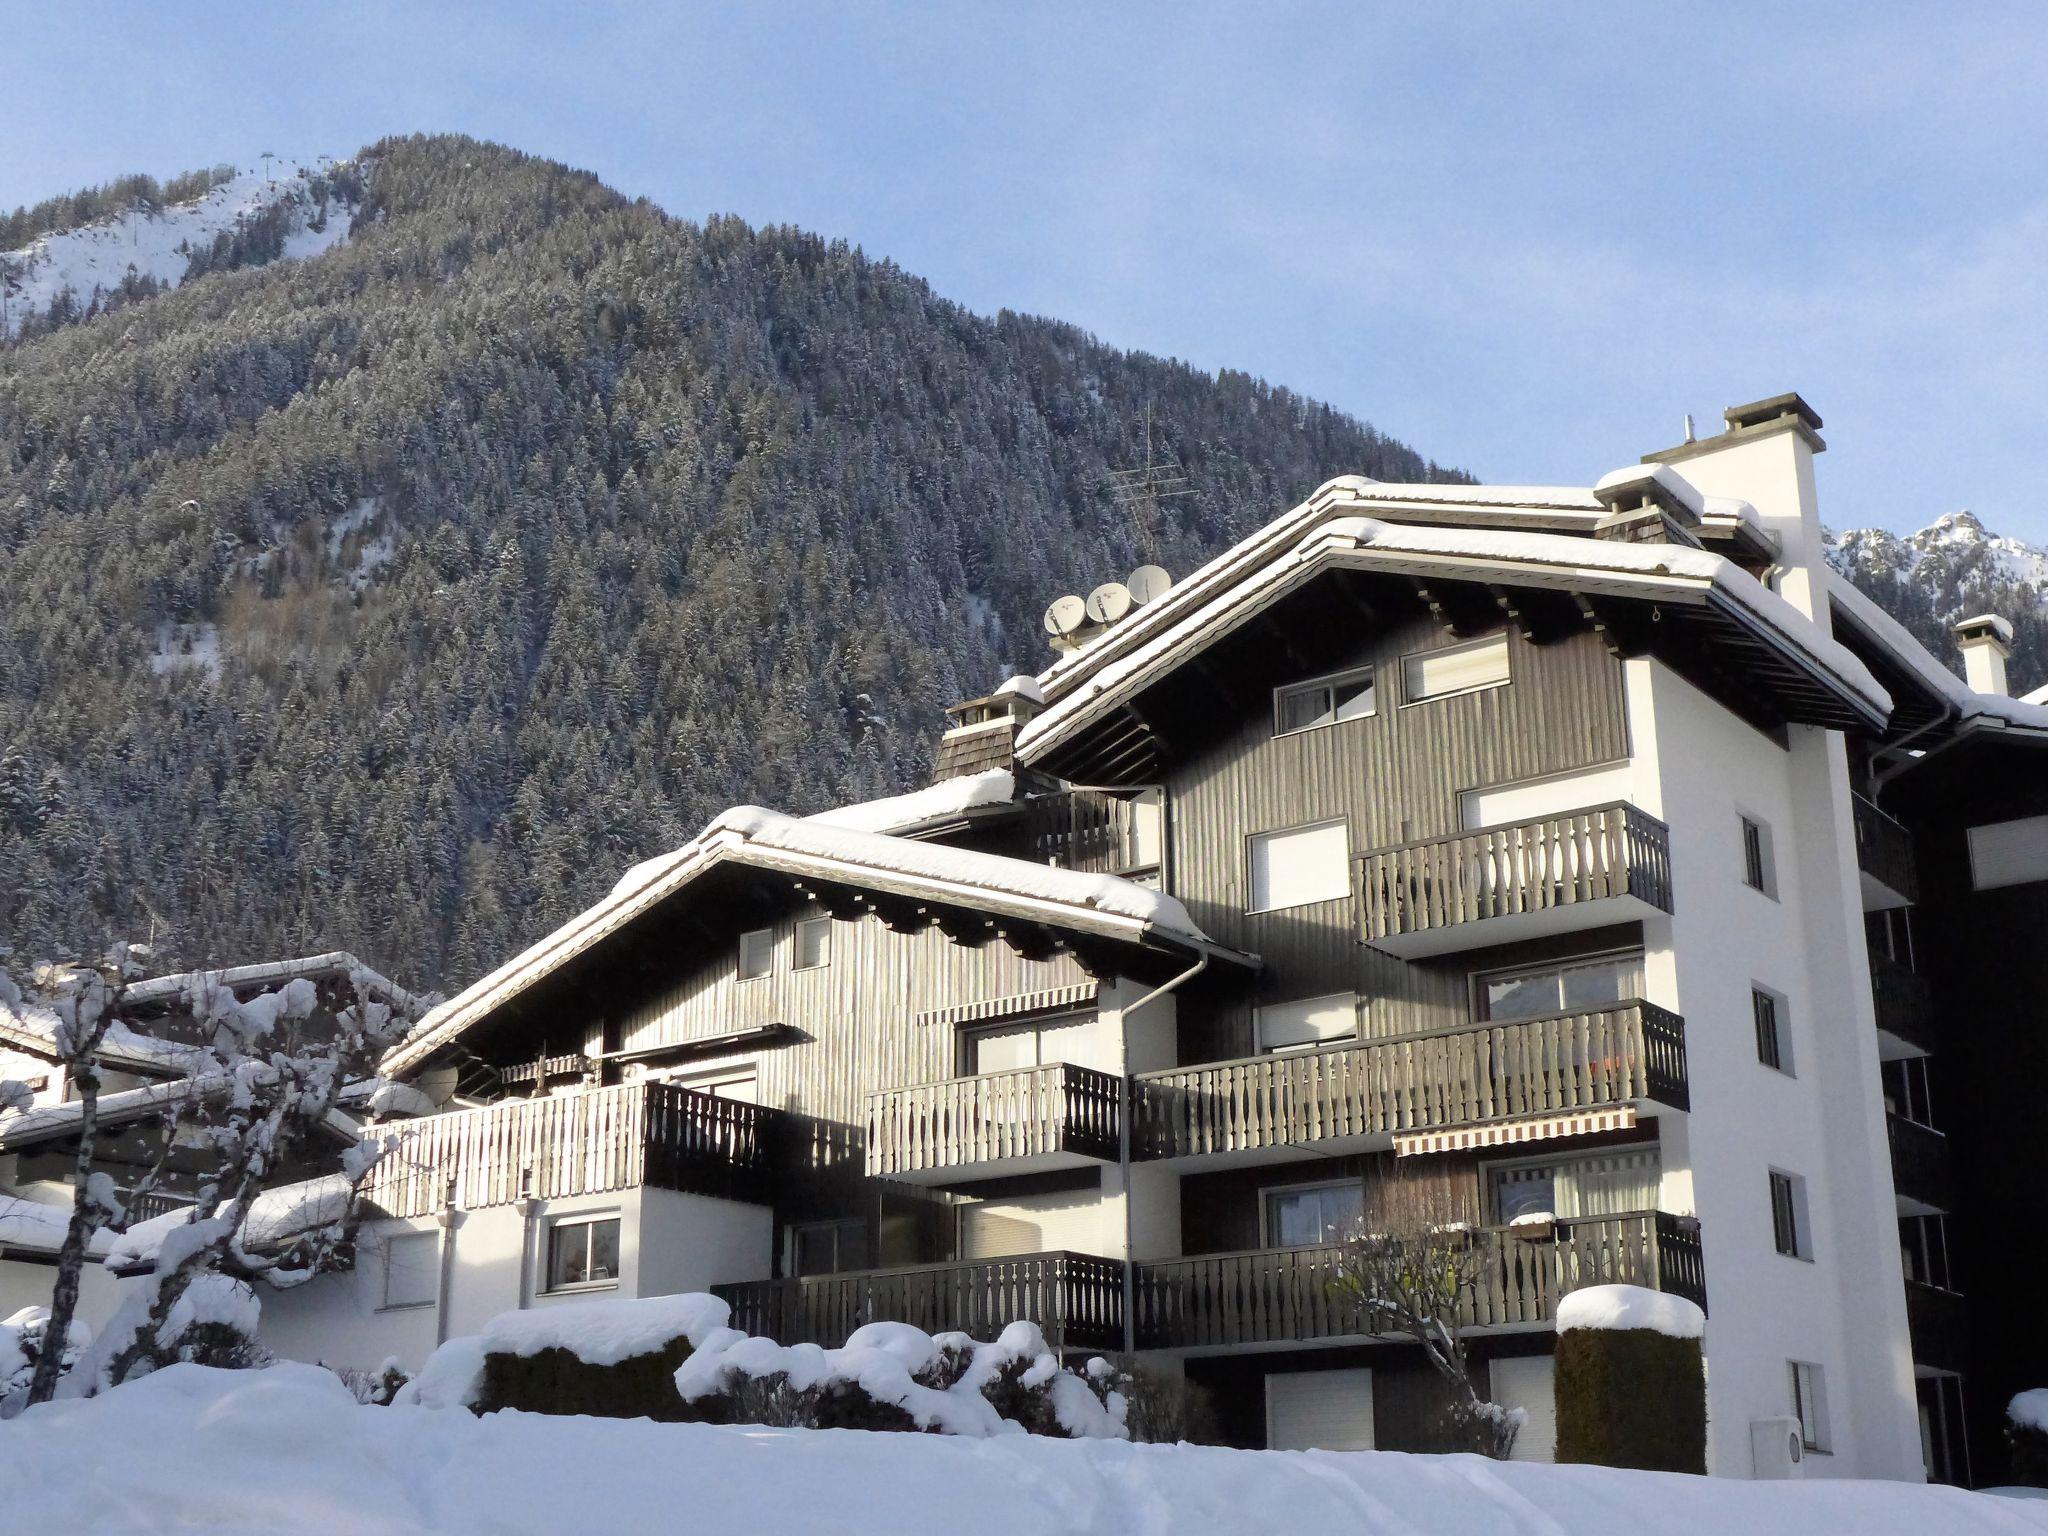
(1162, 1409)
(611, 1358)
(1630, 1381)
(2026, 1434)
(22, 1339)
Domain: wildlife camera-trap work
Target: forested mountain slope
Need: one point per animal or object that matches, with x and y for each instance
(397, 598)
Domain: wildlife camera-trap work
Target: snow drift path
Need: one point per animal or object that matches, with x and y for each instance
(288, 1450)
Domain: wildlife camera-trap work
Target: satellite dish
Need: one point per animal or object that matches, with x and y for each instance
(1066, 615)
(1148, 583)
(1109, 602)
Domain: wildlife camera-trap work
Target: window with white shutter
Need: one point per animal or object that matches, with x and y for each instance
(1307, 1022)
(1456, 669)
(1300, 865)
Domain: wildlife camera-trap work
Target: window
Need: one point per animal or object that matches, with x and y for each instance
(813, 944)
(1788, 1215)
(583, 1253)
(1906, 1090)
(412, 1269)
(1307, 1022)
(2009, 853)
(1810, 1405)
(828, 1247)
(1314, 1213)
(1562, 986)
(1326, 701)
(1756, 857)
(1456, 669)
(1923, 1243)
(1772, 1048)
(757, 953)
(1012, 1047)
(1300, 865)
(1603, 1184)
(739, 1084)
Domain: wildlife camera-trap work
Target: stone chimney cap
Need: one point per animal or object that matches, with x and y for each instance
(1984, 626)
(1757, 412)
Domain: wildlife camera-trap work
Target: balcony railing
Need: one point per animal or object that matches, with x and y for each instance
(1904, 1004)
(1288, 1295)
(579, 1143)
(1042, 1116)
(1938, 1324)
(1884, 852)
(1414, 899)
(1075, 1298)
(1085, 829)
(1467, 1076)
(1921, 1164)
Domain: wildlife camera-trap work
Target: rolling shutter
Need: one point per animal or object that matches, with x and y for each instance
(1303, 864)
(1319, 1411)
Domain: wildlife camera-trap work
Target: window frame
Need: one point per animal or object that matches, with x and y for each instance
(1267, 1239)
(588, 1220)
(1329, 683)
(1794, 1219)
(1478, 981)
(796, 945)
(1810, 1406)
(1490, 1170)
(739, 967)
(1499, 637)
(392, 1240)
(1765, 864)
(1332, 1042)
(1254, 839)
(1781, 1058)
(838, 1226)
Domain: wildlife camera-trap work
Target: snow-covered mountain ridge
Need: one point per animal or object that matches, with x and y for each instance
(1949, 570)
(288, 211)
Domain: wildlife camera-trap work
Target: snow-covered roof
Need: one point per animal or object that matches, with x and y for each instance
(51, 1122)
(2029, 712)
(270, 973)
(1104, 905)
(1161, 640)
(276, 1216)
(946, 800)
(28, 1227)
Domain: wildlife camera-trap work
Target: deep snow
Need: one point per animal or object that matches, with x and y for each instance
(289, 1450)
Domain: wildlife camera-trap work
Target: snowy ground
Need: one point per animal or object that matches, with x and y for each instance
(97, 257)
(288, 1450)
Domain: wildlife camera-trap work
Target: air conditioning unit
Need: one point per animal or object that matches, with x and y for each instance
(1776, 1447)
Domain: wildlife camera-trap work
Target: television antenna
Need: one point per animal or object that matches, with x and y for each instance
(1140, 489)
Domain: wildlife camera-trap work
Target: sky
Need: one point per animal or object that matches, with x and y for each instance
(1525, 239)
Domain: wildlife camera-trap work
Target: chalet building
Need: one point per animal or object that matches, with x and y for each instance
(1596, 855)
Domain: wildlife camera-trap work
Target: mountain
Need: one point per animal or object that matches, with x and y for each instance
(1952, 569)
(391, 584)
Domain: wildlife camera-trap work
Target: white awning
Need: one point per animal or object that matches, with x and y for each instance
(1587, 1122)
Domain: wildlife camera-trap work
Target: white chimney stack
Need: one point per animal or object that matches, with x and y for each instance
(1986, 642)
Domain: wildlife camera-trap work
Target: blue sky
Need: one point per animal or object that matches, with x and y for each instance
(1525, 239)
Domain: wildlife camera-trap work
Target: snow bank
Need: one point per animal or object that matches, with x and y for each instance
(2029, 1409)
(937, 802)
(242, 1453)
(1612, 1307)
(883, 1360)
(606, 1332)
(453, 1377)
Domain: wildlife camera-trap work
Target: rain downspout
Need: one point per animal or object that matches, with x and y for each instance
(1123, 1138)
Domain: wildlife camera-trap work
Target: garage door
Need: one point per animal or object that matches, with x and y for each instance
(1319, 1411)
(1525, 1383)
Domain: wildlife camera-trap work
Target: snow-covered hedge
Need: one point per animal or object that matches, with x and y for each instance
(1630, 1382)
(2026, 1434)
(674, 1358)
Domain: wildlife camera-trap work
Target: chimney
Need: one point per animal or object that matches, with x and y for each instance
(1986, 642)
(983, 734)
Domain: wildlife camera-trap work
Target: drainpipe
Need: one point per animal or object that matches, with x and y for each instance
(1123, 1139)
(529, 1208)
(448, 1218)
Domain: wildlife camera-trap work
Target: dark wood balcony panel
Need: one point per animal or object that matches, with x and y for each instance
(1922, 1167)
(1469, 889)
(1075, 1298)
(1292, 1295)
(1470, 1076)
(1938, 1323)
(1019, 1121)
(580, 1143)
(1904, 1005)
(1884, 855)
(1084, 829)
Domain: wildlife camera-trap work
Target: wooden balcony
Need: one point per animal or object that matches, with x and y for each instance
(1075, 1298)
(1904, 1004)
(578, 1143)
(1310, 1103)
(1922, 1168)
(1023, 1121)
(1606, 864)
(1884, 856)
(1937, 1321)
(1289, 1295)
(1086, 829)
